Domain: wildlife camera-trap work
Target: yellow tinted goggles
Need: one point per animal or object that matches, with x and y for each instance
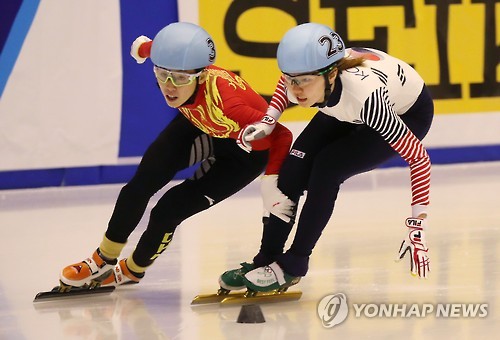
(177, 78)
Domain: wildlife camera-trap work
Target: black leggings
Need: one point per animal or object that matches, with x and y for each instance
(224, 170)
(333, 151)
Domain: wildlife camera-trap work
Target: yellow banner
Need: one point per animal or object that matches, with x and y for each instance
(453, 44)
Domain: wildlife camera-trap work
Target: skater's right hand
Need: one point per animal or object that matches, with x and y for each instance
(274, 200)
(415, 243)
(138, 53)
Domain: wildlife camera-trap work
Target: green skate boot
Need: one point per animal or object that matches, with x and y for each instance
(269, 278)
(233, 279)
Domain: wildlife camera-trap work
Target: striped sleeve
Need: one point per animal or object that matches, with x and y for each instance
(279, 101)
(378, 113)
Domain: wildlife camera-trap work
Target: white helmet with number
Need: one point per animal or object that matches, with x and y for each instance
(183, 46)
(308, 48)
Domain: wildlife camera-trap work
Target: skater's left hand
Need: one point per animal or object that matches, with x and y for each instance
(242, 143)
(260, 129)
(274, 200)
(416, 245)
(255, 131)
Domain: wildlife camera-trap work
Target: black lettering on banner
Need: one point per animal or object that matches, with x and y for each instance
(445, 90)
(380, 33)
(490, 87)
(299, 9)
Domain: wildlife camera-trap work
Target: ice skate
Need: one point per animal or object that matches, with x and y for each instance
(91, 272)
(229, 281)
(82, 278)
(235, 280)
(120, 275)
(103, 280)
(62, 291)
(269, 278)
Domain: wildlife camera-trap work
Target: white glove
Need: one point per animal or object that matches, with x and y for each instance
(134, 49)
(260, 130)
(415, 243)
(274, 200)
(242, 143)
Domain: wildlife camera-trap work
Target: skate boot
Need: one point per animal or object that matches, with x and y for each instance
(120, 275)
(268, 278)
(91, 272)
(233, 279)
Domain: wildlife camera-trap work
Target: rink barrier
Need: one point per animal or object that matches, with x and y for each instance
(95, 175)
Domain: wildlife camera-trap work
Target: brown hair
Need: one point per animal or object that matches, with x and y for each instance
(347, 62)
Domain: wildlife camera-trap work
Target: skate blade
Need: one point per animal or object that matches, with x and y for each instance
(262, 297)
(213, 298)
(55, 294)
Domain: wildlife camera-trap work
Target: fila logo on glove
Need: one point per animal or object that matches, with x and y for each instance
(268, 120)
(414, 222)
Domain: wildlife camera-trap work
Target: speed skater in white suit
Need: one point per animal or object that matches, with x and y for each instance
(371, 107)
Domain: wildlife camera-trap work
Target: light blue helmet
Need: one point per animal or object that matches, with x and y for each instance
(308, 48)
(183, 46)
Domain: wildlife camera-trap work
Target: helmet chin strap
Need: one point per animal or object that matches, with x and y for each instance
(193, 96)
(328, 91)
(191, 99)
